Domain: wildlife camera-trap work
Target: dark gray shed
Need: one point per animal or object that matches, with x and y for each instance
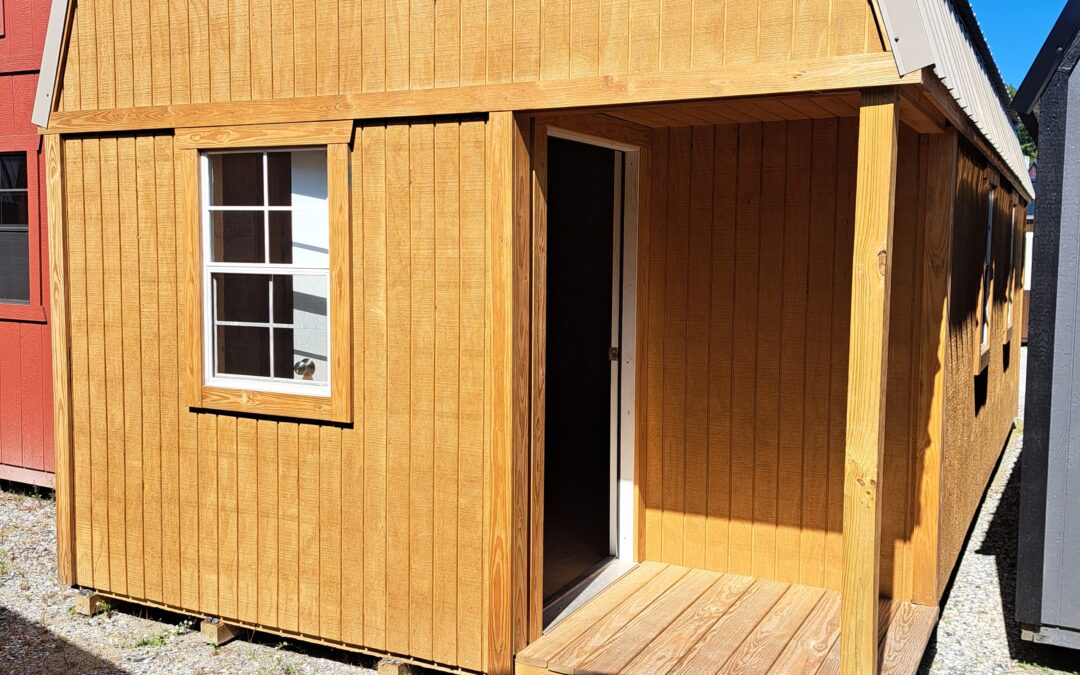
(1048, 575)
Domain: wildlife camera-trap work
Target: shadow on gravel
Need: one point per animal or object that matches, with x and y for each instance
(1000, 542)
(183, 623)
(29, 647)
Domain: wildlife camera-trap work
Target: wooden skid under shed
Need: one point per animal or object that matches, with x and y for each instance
(670, 619)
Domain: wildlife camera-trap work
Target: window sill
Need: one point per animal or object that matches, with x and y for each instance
(23, 313)
(984, 360)
(250, 402)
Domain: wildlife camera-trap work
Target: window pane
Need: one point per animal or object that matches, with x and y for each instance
(13, 208)
(13, 171)
(236, 179)
(302, 301)
(297, 178)
(243, 297)
(243, 350)
(14, 267)
(281, 239)
(239, 236)
(279, 178)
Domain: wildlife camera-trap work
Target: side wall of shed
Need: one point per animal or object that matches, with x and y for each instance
(371, 534)
(979, 410)
(125, 54)
(745, 381)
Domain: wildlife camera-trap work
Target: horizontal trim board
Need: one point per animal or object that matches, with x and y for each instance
(265, 135)
(19, 474)
(849, 72)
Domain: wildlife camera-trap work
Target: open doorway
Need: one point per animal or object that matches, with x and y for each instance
(588, 465)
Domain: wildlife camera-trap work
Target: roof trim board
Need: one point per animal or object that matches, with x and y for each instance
(1047, 62)
(50, 62)
(907, 34)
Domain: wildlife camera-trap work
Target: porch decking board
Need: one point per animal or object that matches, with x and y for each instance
(670, 619)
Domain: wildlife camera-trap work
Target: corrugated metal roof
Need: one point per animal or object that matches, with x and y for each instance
(962, 61)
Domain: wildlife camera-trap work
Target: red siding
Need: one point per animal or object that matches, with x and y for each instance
(26, 433)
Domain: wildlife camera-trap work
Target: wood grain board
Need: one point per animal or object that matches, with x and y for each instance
(296, 527)
(744, 472)
(663, 618)
(263, 50)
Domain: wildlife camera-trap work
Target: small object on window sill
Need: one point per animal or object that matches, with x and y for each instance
(305, 369)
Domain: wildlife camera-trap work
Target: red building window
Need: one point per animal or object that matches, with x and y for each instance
(14, 230)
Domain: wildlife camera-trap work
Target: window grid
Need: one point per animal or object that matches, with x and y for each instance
(17, 228)
(266, 268)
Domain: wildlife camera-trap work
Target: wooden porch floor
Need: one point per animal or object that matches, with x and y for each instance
(669, 619)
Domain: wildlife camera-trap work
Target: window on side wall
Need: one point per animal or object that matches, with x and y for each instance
(986, 296)
(14, 230)
(21, 283)
(269, 322)
(1012, 277)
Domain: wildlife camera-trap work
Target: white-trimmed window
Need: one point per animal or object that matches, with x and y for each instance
(267, 285)
(1011, 276)
(988, 272)
(266, 247)
(14, 230)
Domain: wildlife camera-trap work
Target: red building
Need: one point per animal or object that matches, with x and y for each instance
(26, 433)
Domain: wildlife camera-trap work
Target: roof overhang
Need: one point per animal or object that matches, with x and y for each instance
(944, 35)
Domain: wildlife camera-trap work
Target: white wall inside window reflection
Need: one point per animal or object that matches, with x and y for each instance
(310, 248)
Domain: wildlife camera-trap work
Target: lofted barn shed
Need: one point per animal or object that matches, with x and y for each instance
(501, 336)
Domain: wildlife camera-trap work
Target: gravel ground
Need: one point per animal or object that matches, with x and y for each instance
(978, 632)
(40, 632)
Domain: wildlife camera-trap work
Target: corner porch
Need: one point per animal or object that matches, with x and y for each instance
(662, 618)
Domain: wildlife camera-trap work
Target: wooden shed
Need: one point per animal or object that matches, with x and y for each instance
(499, 336)
(26, 427)
(1047, 580)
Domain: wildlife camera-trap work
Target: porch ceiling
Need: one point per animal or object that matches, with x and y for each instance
(666, 619)
(735, 111)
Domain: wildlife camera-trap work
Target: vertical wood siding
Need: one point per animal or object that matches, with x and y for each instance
(26, 428)
(257, 49)
(979, 422)
(747, 338)
(321, 530)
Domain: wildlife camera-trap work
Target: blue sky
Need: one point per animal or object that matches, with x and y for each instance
(1016, 30)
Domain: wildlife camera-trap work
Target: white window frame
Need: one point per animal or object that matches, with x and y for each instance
(988, 274)
(211, 377)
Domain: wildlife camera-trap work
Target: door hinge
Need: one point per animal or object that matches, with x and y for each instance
(613, 353)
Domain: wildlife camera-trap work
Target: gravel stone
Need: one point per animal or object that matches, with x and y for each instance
(40, 632)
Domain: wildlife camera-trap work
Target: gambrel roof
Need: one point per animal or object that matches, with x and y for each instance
(942, 34)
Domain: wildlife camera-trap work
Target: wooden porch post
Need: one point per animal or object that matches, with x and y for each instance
(509, 241)
(867, 377)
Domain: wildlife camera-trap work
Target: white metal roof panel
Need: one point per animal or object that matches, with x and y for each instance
(957, 63)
